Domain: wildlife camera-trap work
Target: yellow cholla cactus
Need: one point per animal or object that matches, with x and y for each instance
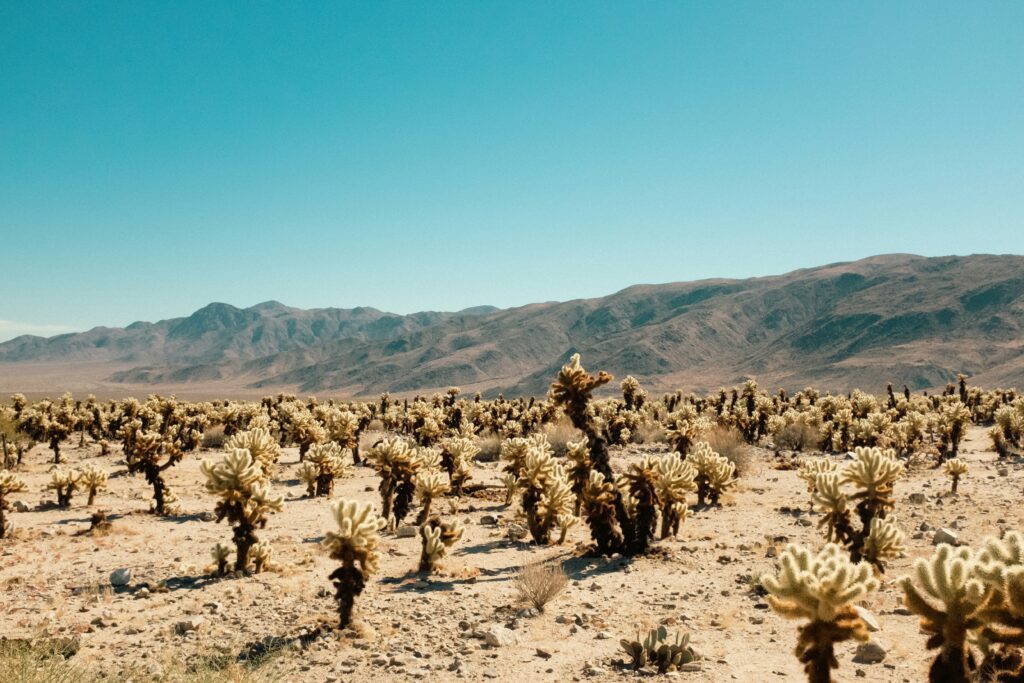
(65, 483)
(715, 474)
(220, 554)
(354, 544)
(811, 468)
(883, 542)
(674, 477)
(829, 499)
(430, 485)
(397, 463)
(437, 537)
(457, 454)
(955, 468)
(9, 483)
(260, 444)
(245, 498)
(330, 463)
(93, 480)
(949, 597)
(822, 589)
(261, 553)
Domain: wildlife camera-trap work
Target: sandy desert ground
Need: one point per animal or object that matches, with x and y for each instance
(55, 580)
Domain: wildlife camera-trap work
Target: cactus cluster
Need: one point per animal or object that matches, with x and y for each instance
(715, 474)
(324, 463)
(354, 544)
(657, 650)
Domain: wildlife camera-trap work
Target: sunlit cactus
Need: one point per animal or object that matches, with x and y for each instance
(715, 474)
(674, 477)
(261, 445)
(220, 554)
(245, 499)
(64, 483)
(93, 480)
(261, 553)
(457, 454)
(955, 468)
(820, 589)
(883, 542)
(811, 468)
(354, 544)
(9, 483)
(949, 598)
(601, 514)
(397, 463)
(324, 463)
(656, 649)
(436, 537)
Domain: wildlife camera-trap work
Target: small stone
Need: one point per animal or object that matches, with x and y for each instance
(868, 618)
(869, 653)
(1003, 472)
(543, 654)
(690, 666)
(916, 498)
(944, 536)
(120, 577)
(189, 625)
(516, 531)
(499, 636)
(19, 506)
(489, 520)
(406, 531)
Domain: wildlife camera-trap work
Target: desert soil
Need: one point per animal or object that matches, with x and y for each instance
(56, 579)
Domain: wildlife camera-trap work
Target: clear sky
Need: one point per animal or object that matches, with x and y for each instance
(156, 156)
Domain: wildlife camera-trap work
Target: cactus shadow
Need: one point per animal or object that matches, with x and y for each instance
(192, 582)
(481, 548)
(579, 568)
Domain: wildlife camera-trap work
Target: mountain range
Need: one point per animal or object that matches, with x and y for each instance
(902, 318)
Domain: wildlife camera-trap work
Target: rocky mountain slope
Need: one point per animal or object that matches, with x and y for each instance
(903, 318)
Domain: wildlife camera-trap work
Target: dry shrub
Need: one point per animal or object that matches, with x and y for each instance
(490, 448)
(213, 438)
(798, 437)
(376, 425)
(729, 444)
(540, 583)
(560, 434)
(650, 433)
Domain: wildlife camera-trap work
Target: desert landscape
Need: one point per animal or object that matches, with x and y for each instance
(479, 540)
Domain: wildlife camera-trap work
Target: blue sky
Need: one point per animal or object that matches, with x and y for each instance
(155, 157)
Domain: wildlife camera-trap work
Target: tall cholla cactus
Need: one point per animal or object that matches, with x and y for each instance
(430, 484)
(600, 497)
(822, 589)
(951, 424)
(633, 394)
(93, 480)
(261, 446)
(64, 483)
(397, 463)
(9, 484)
(955, 468)
(547, 500)
(245, 501)
(324, 463)
(949, 579)
(873, 474)
(811, 468)
(437, 537)
(674, 477)
(354, 544)
(457, 455)
(715, 474)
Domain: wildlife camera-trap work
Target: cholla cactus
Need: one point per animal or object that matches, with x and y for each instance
(397, 463)
(577, 454)
(873, 472)
(246, 500)
(354, 544)
(65, 483)
(684, 428)
(547, 495)
(884, 541)
(430, 484)
(261, 553)
(830, 500)
(674, 477)
(93, 480)
(952, 422)
(600, 498)
(658, 650)
(510, 483)
(811, 468)
(220, 554)
(457, 455)
(821, 589)
(324, 463)
(9, 483)
(437, 537)
(955, 468)
(261, 446)
(715, 474)
(573, 390)
(633, 394)
(948, 578)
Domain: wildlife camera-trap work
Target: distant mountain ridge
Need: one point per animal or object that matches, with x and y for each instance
(898, 317)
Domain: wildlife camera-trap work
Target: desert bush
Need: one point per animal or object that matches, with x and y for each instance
(490, 447)
(729, 444)
(539, 583)
(798, 436)
(822, 590)
(213, 437)
(651, 432)
(559, 436)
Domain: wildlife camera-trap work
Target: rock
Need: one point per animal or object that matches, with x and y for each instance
(690, 666)
(19, 506)
(120, 577)
(902, 612)
(1003, 472)
(543, 654)
(489, 520)
(499, 636)
(944, 536)
(188, 625)
(516, 531)
(592, 669)
(916, 498)
(406, 531)
(869, 653)
(868, 618)
(207, 516)
(602, 635)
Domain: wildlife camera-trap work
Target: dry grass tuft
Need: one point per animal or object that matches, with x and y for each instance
(540, 583)
(650, 433)
(729, 444)
(560, 434)
(213, 438)
(798, 437)
(490, 448)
